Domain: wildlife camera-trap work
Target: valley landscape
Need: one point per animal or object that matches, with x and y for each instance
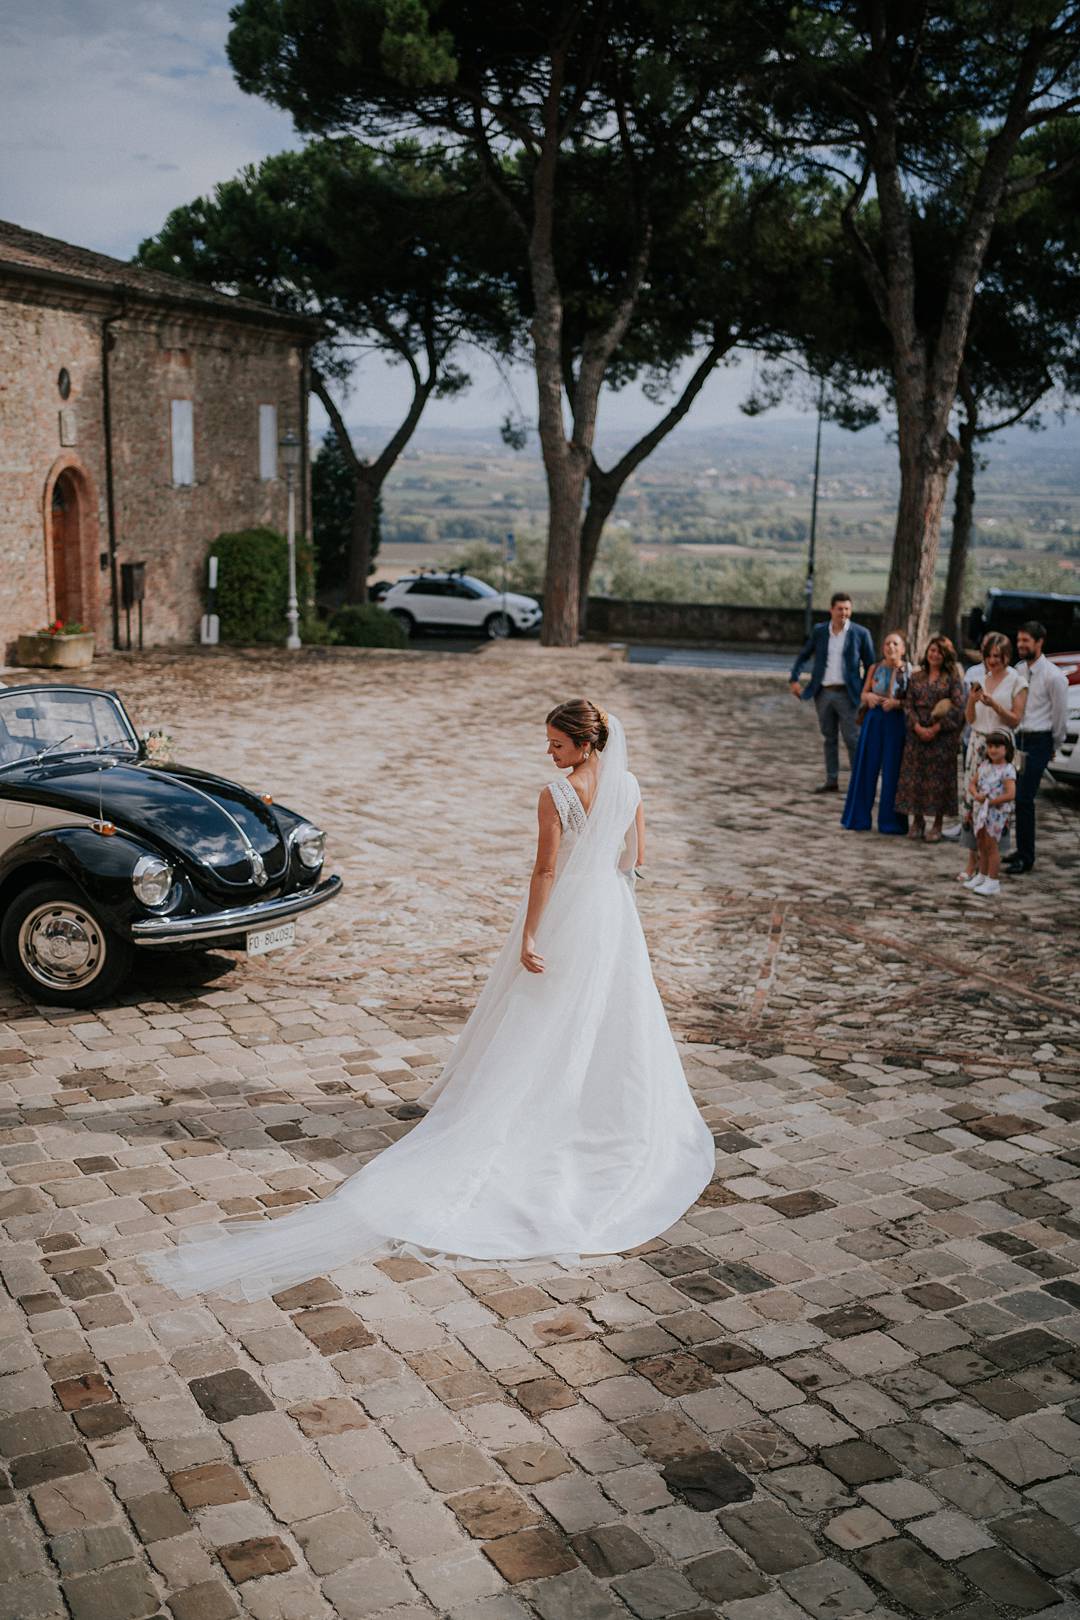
(726, 509)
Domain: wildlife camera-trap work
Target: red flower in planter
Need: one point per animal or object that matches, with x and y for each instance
(59, 628)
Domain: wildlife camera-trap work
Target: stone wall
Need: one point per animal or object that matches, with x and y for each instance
(35, 342)
(226, 368)
(227, 372)
(707, 623)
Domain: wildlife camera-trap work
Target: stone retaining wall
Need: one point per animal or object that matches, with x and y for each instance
(706, 623)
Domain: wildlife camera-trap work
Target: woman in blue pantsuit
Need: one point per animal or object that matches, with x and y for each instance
(881, 743)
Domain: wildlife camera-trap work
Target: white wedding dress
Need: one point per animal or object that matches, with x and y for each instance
(562, 1125)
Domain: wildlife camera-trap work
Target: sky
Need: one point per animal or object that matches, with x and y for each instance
(113, 112)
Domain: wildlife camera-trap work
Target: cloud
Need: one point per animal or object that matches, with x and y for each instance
(113, 112)
(116, 111)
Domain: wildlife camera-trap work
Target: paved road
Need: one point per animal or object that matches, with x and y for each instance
(673, 657)
(430, 643)
(846, 1384)
(711, 658)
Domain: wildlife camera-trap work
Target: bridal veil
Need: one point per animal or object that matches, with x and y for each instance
(561, 1126)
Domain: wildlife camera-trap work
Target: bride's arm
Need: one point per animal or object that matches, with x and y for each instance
(548, 836)
(639, 833)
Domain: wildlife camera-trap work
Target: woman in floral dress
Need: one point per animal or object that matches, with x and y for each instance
(934, 713)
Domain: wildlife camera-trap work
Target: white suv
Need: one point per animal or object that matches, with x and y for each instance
(1065, 765)
(454, 601)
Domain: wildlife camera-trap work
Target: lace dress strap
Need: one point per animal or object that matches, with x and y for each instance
(570, 808)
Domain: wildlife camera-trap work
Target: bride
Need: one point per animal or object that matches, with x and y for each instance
(562, 1124)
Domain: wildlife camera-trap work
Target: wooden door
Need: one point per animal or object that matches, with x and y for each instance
(66, 561)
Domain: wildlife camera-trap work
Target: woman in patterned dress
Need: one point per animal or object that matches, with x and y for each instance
(934, 713)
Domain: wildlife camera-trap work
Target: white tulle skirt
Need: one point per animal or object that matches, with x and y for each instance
(562, 1126)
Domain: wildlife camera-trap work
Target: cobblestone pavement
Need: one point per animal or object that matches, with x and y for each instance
(846, 1384)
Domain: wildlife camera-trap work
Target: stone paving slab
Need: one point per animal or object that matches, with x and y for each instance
(846, 1383)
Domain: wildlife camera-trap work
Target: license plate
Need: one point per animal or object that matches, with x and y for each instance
(271, 939)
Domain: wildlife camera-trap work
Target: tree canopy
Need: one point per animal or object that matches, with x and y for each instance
(925, 110)
(374, 243)
(1021, 351)
(739, 261)
(627, 189)
(537, 95)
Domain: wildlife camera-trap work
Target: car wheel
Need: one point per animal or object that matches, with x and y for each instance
(57, 947)
(406, 620)
(497, 626)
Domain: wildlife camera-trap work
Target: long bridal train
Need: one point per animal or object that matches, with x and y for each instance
(562, 1125)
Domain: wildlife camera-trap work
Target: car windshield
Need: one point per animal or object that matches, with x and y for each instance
(478, 585)
(63, 721)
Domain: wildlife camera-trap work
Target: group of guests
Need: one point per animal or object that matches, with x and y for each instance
(904, 726)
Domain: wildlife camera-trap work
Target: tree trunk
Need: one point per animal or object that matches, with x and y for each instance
(606, 486)
(963, 523)
(924, 478)
(567, 459)
(370, 476)
(566, 490)
(603, 493)
(565, 464)
(365, 495)
(926, 368)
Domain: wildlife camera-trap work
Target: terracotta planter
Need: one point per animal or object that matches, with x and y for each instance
(55, 652)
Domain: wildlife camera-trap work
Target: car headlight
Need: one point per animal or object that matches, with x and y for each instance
(152, 880)
(310, 845)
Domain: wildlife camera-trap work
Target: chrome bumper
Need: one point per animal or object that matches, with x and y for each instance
(238, 920)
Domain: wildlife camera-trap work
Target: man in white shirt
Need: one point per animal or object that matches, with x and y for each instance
(1042, 734)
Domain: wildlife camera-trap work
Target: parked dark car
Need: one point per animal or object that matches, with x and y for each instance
(104, 851)
(1008, 610)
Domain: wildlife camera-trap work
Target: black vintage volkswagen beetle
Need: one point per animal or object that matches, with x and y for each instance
(104, 851)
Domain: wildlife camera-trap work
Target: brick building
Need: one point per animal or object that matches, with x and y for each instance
(139, 417)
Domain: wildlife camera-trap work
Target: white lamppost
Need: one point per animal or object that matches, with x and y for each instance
(289, 445)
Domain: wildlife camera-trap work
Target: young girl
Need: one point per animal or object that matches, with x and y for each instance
(993, 791)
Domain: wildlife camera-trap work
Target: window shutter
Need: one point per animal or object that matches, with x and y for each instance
(183, 441)
(268, 442)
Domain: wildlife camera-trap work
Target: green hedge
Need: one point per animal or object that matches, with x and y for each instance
(253, 584)
(366, 625)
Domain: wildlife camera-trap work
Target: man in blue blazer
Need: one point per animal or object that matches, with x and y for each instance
(841, 653)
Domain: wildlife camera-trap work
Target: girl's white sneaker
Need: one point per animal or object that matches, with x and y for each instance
(987, 888)
(972, 882)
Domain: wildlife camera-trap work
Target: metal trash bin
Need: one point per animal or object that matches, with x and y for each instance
(132, 593)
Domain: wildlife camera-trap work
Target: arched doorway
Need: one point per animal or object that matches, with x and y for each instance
(66, 554)
(71, 543)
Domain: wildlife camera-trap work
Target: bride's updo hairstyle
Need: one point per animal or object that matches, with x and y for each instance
(582, 722)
